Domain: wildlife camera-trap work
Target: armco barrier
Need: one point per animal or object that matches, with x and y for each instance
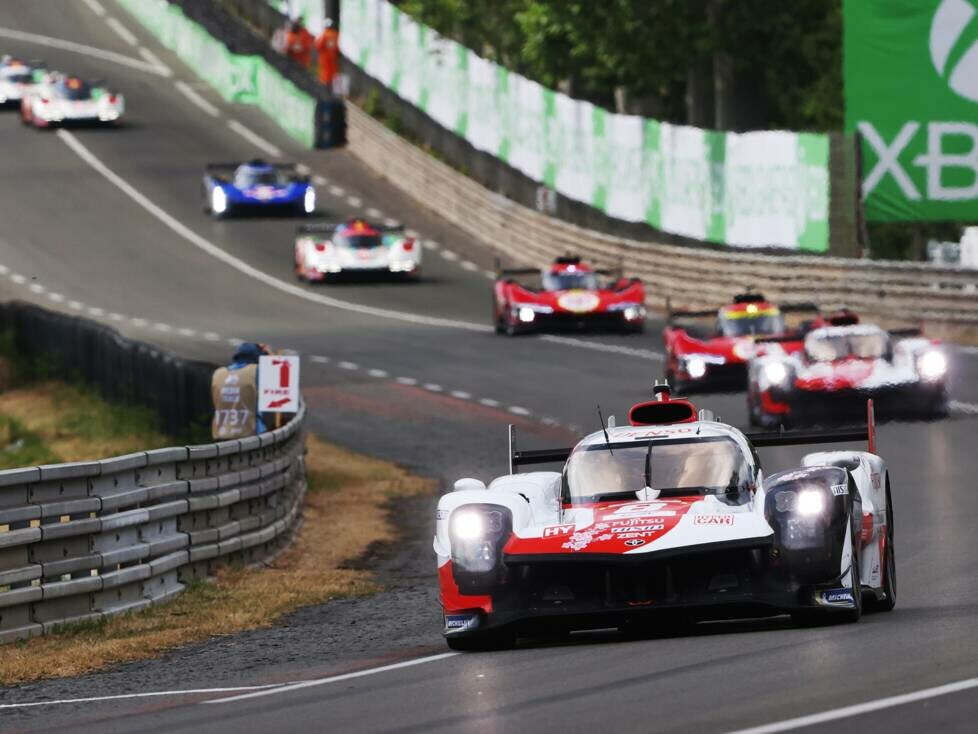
(691, 277)
(84, 540)
(177, 390)
(242, 68)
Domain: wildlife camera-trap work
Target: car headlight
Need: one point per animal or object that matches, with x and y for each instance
(810, 502)
(477, 533)
(219, 200)
(309, 201)
(633, 313)
(932, 365)
(696, 367)
(775, 373)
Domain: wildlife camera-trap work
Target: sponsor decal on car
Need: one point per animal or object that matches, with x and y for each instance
(578, 301)
(840, 489)
(635, 541)
(713, 520)
(837, 597)
(640, 508)
(557, 530)
(441, 515)
(460, 622)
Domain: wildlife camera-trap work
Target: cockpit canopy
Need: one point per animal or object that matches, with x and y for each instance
(685, 466)
(832, 345)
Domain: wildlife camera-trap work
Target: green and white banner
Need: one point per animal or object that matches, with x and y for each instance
(237, 78)
(751, 190)
(911, 90)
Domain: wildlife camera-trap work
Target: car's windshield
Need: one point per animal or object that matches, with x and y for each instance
(74, 89)
(246, 177)
(707, 465)
(747, 323)
(20, 77)
(832, 347)
(566, 281)
(359, 241)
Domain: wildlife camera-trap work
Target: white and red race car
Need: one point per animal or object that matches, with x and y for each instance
(60, 99)
(17, 78)
(838, 368)
(667, 521)
(355, 248)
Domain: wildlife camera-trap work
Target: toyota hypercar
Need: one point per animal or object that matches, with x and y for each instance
(60, 99)
(568, 294)
(662, 523)
(18, 78)
(257, 185)
(355, 247)
(827, 376)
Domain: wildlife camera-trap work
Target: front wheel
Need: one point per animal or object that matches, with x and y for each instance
(887, 602)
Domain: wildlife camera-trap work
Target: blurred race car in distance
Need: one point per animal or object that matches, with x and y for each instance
(709, 349)
(827, 375)
(570, 294)
(658, 525)
(17, 78)
(355, 246)
(257, 185)
(58, 98)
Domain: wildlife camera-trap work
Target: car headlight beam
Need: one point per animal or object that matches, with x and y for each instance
(309, 200)
(775, 373)
(810, 502)
(468, 525)
(932, 365)
(219, 200)
(696, 367)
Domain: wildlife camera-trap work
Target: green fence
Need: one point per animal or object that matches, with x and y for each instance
(756, 189)
(238, 78)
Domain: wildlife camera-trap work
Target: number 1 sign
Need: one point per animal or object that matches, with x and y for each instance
(278, 384)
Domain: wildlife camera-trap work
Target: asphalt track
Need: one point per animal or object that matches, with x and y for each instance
(383, 373)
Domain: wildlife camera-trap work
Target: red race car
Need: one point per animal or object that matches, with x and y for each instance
(710, 349)
(568, 294)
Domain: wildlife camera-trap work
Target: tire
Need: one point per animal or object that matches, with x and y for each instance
(887, 602)
(498, 639)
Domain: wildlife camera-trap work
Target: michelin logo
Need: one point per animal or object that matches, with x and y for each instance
(460, 622)
(837, 597)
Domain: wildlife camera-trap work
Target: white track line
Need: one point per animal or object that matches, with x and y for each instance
(190, 93)
(348, 365)
(146, 694)
(860, 708)
(407, 381)
(449, 255)
(254, 138)
(180, 229)
(966, 408)
(319, 181)
(355, 201)
(155, 61)
(82, 49)
(334, 678)
(337, 191)
(95, 6)
(968, 350)
(120, 30)
(319, 359)
(374, 213)
(489, 402)
(380, 374)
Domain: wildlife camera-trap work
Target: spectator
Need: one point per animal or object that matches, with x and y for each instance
(234, 391)
(328, 51)
(299, 43)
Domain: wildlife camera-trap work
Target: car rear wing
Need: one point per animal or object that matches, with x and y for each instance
(330, 227)
(908, 333)
(865, 433)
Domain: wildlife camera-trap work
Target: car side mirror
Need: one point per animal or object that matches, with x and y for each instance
(468, 483)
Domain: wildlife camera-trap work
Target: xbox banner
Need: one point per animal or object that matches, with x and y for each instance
(911, 91)
(751, 190)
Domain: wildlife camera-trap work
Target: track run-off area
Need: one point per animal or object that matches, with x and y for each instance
(107, 224)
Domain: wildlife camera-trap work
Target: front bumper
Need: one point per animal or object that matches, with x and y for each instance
(719, 584)
(919, 400)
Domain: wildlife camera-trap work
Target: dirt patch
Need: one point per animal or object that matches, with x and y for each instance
(345, 515)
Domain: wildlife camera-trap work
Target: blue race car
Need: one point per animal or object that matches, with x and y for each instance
(256, 185)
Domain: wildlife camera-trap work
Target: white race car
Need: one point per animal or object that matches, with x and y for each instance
(355, 247)
(17, 78)
(59, 99)
(828, 375)
(665, 522)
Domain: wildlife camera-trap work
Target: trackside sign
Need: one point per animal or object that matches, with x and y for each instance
(278, 384)
(911, 91)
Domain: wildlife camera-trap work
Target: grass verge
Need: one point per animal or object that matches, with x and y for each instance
(342, 517)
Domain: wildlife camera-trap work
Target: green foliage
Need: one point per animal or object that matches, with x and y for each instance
(790, 52)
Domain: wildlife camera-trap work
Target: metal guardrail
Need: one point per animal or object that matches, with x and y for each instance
(691, 277)
(86, 540)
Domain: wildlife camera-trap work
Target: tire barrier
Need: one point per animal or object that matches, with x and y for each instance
(945, 299)
(86, 540)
